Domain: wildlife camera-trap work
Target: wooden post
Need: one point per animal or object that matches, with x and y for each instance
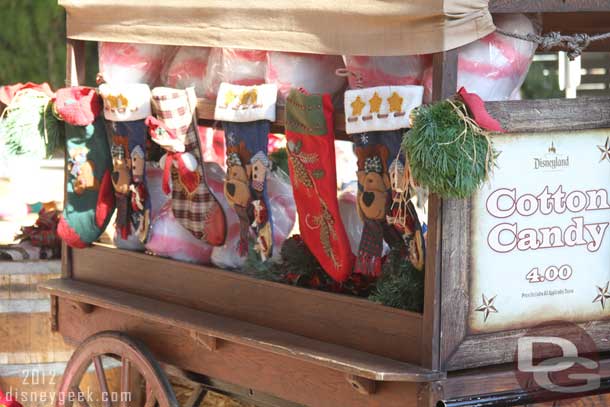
(75, 75)
(444, 85)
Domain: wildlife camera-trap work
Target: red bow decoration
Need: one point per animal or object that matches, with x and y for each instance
(189, 179)
(479, 113)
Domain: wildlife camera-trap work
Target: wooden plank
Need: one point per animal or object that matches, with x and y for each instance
(492, 379)
(265, 339)
(552, 114)
(456, 266)
(444, 85)
(282, 376)
(340, 319)
(544, 6)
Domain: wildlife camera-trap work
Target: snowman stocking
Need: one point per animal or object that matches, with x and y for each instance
(375, 117)
(246, 113)
(90, 201)
(311, 160)
(174, 127)
(125, 108)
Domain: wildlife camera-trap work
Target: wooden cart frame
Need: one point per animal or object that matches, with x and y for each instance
(317, 348)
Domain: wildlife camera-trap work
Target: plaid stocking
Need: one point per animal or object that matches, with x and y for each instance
(174, 128)
(311, 153)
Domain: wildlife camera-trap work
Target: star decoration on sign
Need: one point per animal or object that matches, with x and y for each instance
(357, 106)
(395, 102)
(605, 150)
(375, 103)
(229, 97)
(487, 307)
(603, 295)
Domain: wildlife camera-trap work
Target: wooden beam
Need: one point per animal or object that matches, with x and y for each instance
(348, 361)
(361, 385)
(444, 85)
(548, 6)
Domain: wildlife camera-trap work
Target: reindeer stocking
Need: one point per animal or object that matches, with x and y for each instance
(174, 128)
(376, 118)
(246, 113)
(125, 108)
(90, 201)
(311, 160)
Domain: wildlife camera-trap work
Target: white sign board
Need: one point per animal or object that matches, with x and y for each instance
(540, 237)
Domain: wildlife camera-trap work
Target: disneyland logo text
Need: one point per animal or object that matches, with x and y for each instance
(552, 163)
(506, 237)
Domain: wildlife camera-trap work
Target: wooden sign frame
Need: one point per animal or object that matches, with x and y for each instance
(459, 348)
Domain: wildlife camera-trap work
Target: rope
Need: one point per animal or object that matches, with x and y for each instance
(573, 45)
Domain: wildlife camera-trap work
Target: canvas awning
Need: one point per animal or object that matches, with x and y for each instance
(349, 27)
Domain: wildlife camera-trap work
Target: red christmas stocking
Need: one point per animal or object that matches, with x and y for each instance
(311, 153)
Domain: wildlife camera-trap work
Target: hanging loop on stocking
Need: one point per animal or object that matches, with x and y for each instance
(344, 72)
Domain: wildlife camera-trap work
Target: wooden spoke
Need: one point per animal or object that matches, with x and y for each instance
(136, 362)
(150, 396)
(125, 383)
(102, 381)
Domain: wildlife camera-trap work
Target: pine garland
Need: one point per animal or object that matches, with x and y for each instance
(447, 151)
(28, 127)
(401, 285)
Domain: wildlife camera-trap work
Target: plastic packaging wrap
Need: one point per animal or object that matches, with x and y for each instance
(187, 68)
(495, 66)
(389, 70)
(123, 63)
(346, 162)
(283, 210)
(158, 199)
(239, 67)
(312, 72)
(170, 239)
(213, 145)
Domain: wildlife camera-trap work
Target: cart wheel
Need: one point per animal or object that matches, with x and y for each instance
(133, 356)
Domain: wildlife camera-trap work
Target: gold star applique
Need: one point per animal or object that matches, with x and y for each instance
(605, 150)
(603, 295)
(487, 307)
(395, 102)
(229, 97)
(357, 106)
(375, 103)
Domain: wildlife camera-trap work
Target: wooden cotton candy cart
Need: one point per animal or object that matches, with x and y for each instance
(280, 345)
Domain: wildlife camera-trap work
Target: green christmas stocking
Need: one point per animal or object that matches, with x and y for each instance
(90, 197)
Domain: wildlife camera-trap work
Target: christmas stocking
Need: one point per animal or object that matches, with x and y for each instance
(311, 160)
(90, 201)
(375, 117)
(125, 108)
(246, 113)
(174, 128)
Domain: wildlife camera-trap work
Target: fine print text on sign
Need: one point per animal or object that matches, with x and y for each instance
(540, 245)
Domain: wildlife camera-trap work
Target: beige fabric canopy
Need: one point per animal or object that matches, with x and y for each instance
(348, 27)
